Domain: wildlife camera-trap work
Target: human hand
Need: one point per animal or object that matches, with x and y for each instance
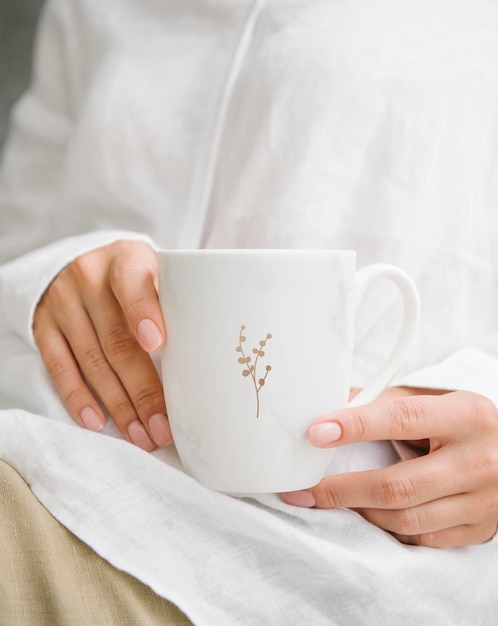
(445, 498)
(95, 327)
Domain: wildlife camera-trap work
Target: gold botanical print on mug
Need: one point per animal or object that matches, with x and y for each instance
(250, 370)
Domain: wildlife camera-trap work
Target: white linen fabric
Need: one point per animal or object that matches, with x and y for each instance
(285, 123)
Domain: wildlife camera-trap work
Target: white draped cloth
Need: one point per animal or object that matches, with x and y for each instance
(285, 123)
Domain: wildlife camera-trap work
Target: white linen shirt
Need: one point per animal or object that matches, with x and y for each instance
(285, 123)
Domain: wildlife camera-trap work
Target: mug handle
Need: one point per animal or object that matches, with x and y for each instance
(411, 313)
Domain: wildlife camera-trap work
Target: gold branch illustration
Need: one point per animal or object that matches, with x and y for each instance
(250, 369)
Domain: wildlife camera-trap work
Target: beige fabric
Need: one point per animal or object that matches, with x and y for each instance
(48, 577)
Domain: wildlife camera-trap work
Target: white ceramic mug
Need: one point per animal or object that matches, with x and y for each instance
(259, 344)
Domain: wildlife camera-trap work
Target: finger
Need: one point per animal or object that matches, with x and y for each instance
(135, 371)
(77, 328)
(80, 334)
(65, 374)
(133, 279)
(447, 417)
(455, 537)
(431, 517)
(399, 486)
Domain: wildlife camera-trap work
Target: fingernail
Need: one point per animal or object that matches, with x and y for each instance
(139, 436)
(91, 419)
(160, 430)
(325, 434)
(149, 335)
(299, 498)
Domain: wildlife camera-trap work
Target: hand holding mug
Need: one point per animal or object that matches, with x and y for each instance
(94, 328)
(447, 497)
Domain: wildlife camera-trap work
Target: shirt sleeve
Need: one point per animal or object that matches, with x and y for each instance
(40, 128)
(24, 279)
(31, 172)
(472, 368)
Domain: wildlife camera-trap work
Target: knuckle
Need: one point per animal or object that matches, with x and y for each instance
(74, 397)
(136, 307)
(122, 412)
(120, 343)
(396, 493)
(408, 522)
(57, 368)
(122, 266)
(56, 294)
(88, 272)
(149, 397)
(487, 461)
(121, 247)
(93, 361)
(408, 414)
(484, 412)
(327, 497)
(118, 271)
(83, 266)
(483, 406)
(356, 425)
